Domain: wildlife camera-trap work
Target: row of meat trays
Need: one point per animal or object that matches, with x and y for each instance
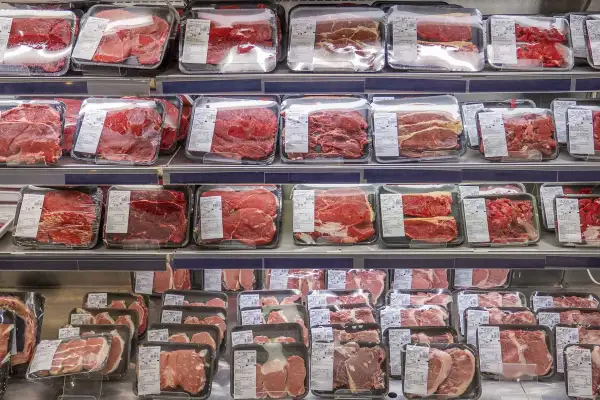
(254, 38)
(250, 216)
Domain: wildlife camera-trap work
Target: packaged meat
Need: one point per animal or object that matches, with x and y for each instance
(437, 278)
(578, 220)
(501, 220)
(525, 42)
(233, 130)
(135, 302)
(330, 129)
(559, 109)
(541, 299)
(323, 298)
(216, 316)
(119, 355)
(174, 370)
(375, 281)
(287, 332)
(441, 371)
(304, 280)
(497, 278)
(269, 371)
(107, 316)
(7, 334)
(552, 316)
(336, 38)
(435, 38)
(148, 216)
(124, 36)
(581, 360)
(72, 107)
(407, 297)
(576, 22)
(28, 310)
(469, 111)
(229, 40)
(261, 298)
(70, 356)
(156, 283)
(475, 316)
(591, 30)
(549, 191)
(118, 131)
(410, 316)
(195, 298)
(568, 334)
(420, 216)
(464, 299)
(474, 189)
(583, 132)
(334, 214)
(368, 332)
(58, 218)
(31, 132)
(228, 280)
(343, 314)
(521, 134)
(524, 350)
(39, 42)
(276, 315)
(350, 368)
(238, 217)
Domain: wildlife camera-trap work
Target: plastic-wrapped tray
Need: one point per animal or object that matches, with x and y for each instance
(549, 191)
(7, 325)
(343, 314)
(583, 132)
(72, 107)
(304, 280)
(340, 38)
(287, 332)
(414, 316)
(553, 316)
(578, 360)
(419, 297)
(325, 129)
(578, 220)
(196, 315)
(475, 316)
(475, 189)
(118, 300)
(149, 216)
(464, 299)
(565, 334)
(590, 30)
(155, 283)
(435, 38)
(275, 314)
(233, 130)
(576, 27)
(227, 280)
(262, 298)
(196, 298)
(375, 281)
(369, 332)
(323, 298)
(7, 218)
(497, 278)
(541, 299)
(559, 109)
(437, 278)
(107, 316)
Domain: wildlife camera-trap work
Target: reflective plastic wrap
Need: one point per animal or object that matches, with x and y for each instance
(155, 283)
(569, 333)
(227, 280)
(435, 38)
(238, 216)
(399, 297)
(261, 298)
(374, 281)
(581, 367)
(229, 40)
(483, 298)
(124, 36)
(233, 130)
(286, 332)
(410, 315)
(343, 314)
(522, 42)
(196, 298)
(549, 191)
(417, 129)
(321, 298)
(108, 316)
(553, 316)
(475, 316)
(117, 300)
(72, 107)
(525, 134)
(325, 129)
(366, 332)
(560, 107)
(578, 220)
(58, 218)
(583, 132)
(304, 280)
(31, 132)
(417, 278)
(496, 278)
(39, 42)
(344, 38)
(334, 214)
(591, 32)
(474, 189)
(420, 215)
(276, 314)
(541, 299)
(118, 131)
(148, 216)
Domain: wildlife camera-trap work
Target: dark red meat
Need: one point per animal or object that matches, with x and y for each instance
(532, 34)
(510, 220)
(543, 45)
(71, 113)
(170, 128)
(239, 36)
(589, 217)
(438, 31)
(427, 133)
(433, 204)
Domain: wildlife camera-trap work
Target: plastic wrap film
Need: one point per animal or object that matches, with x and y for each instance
(135, 302)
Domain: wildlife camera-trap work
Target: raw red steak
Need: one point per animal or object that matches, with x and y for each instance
(432, 204)
(589, 217)
(525, 347)
(510, 221)
(579, 317)
(487, 278)
(71, 113)
(117, 345)
(431, 230)
(357, 367)
(421, 337)
(370, 336)
(170, 128)
(425, 133)
(372, 280)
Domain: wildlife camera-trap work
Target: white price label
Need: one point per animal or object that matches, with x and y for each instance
(322, 334)
(474, 319)
(493, 134)
(476, 220)
(490, 352)
(173, 300)
(548, 194)
(397, 339)
(463, 278)
(213, 279)
(417, 369)
(68, 332)
(399, 299)
(148, 370)
(560, 118)
(568, 222)
(593, 30)
(171, 317)
(278, 279)
(158, 335)
(80, 319)
(319, 316)
(577, 35)
(465, 301)
(249, 301)
(89, 38)
(90, 131)
(44, 353)
(404, 33)
(304, 211)
(386, 134)
(252, 317)
(202, 130)
(468, 190)
(144, 282)
(542, 302)
(321, 369)
(377, 99)
(564, 336)
(392, 215)
(29, 215)
(211, 217)
(469, 112)
(296, 132)
(549, 319)
(316, 301)
(5, 27)
(195, 43)
(579, 372)
(336, 279)
(504, 41)
(241, 337)
(389, 317)
(97, 300)
(117, 214)
(403, 278)
(580, 131)
(302, 40)
(244, 374)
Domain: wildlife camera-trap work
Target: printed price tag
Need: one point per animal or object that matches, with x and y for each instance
(29, 216)
(568, 222)
(321, 368)
(548, 194)
(399, 299)
(249, 301)
(469, 112)
(319, 316)
(68, 332)
(417, 369)
(44, 353)
(278, 279)
(5, 26)
(149, 370)
(203, 129)
(144, 282)
(211, 217)
(593, 29)
(390, 317)
(579, 372)
(80, 319)
(244, 374)
(97, 300)
(468, 190)
(241, 337)
(474, 319)
(404, 32)
(465, 301)
(195, 44)
(560, 118)
(476, 220)
(171, 317)
(252, 317)
(580, 131)
(316, 301)
(397, 339)
(564, 336)
(392, 215)
(504, 41)
(158, 335)
(173, 300)
(549, 319)
(213, 279)
(89, 38)
(90, 131)
(490, 352)
(296, 133)
(386, 134)
(402, 279)
(577, 36)
(493, 134)
(542, 302)
(322, 334)
(302, 43)
(117, 215)
(304, 210)
(336, 279)
(377, 99)
(463, 277)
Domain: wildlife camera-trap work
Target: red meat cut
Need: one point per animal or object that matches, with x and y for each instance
(432, 204)
(140, 306)
(79, 355)
(510, 221)
(580, 317)
(182, 369)
(525, 347)
(441, 299)
(117, 345)
(204, 338)
(358, 368)
(546, 46)
(589, 217)
(72, 107)
(426, 133)
(275, 374)
(429, 279)
(372, 280)
(431, 230)
(296, 376)
(439, 367)
(575, 301)
(170, 128)
(421, 337)
(304, 280)
(460, 374)
(369, 336)
(127, 321)
(164, 280)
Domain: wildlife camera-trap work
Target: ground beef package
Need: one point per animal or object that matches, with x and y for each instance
(233, 130)
(583, 132)
(435, 38)
(39, 42)
(118, 300)
(578, 220)
(304, 280)
(549, 191)
(63, 218)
